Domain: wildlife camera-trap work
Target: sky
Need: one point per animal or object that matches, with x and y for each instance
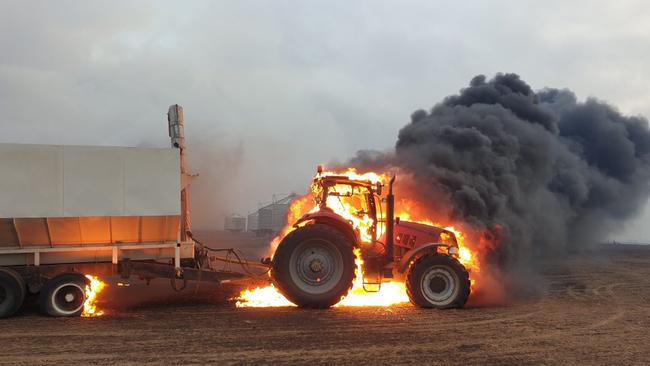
(271, 89)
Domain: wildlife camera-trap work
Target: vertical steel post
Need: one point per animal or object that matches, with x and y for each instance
(177, 135)
(390, 220)
(177, 256)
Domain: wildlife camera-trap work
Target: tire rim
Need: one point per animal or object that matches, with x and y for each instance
(439, 285)
(68, 298)
(316, 266)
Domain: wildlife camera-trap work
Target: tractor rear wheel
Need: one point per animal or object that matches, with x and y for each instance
(314, 266)
(12, 292)
(438, 281)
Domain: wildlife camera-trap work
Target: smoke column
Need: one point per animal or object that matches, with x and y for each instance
(540, 171)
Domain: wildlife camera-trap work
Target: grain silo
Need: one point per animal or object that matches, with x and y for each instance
(234, 223)
(271, 218)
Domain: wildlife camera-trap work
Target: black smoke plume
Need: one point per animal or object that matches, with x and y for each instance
(545, 172)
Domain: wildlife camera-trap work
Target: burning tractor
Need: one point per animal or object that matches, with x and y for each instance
(314, 265)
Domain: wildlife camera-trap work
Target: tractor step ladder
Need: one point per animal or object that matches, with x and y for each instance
(377, 284)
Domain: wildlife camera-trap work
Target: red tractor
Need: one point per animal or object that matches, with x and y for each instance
(314, 265)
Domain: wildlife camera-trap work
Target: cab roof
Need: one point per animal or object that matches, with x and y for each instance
(342, 179)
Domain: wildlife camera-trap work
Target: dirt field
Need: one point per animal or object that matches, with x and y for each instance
(595, 310)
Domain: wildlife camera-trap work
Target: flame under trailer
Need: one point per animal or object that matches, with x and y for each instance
(66, 211)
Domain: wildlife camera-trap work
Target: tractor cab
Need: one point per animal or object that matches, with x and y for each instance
(355, 202)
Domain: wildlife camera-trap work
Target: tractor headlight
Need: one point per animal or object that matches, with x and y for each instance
(453, 251)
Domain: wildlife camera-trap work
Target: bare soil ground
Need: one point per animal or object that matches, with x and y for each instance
(594, 309)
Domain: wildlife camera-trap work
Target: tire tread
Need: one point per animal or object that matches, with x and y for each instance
(8, 274)
(280, 271)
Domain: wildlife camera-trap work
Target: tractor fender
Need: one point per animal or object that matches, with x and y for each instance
(415, 253)
(332, 220)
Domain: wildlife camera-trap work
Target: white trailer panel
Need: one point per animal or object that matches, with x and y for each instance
(77, 181)
(71, 204)
(93, 181)
(31, 181)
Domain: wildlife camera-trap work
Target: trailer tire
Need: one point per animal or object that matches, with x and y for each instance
(12, 292)
(64, 295)
(313, 266)
(438, 281)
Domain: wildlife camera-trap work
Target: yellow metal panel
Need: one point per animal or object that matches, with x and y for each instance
(125, 229)
(173, 226)
(64, 230)
(32, 231)
(95, 230)
(153, 228)
(8, 236)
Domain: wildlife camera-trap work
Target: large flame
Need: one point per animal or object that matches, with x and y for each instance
(361, 224)
(389, 293)
(386, 294)
(92, 291)
(262, 297)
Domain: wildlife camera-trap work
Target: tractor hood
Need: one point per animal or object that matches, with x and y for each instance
(422, 228)
(424, 234)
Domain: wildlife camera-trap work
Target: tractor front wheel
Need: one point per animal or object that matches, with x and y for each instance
(438, 281)
(314, 266)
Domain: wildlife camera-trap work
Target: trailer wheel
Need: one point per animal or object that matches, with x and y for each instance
(438, 281)
(12, 292)
(64, 295)
(314, 266)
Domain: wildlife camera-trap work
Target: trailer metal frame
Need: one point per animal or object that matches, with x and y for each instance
(114, 248)
(189, 262)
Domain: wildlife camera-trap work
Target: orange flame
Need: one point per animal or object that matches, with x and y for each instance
(259, 297)
(361, 224)
(92, 291)
(389, 293)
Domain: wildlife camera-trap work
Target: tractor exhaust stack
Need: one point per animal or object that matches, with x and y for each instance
(390, 220)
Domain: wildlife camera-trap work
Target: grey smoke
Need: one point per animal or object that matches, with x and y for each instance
(546, 173)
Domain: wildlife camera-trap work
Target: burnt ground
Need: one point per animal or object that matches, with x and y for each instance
(594, 309)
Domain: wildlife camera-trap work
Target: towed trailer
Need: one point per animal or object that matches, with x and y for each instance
(67, 211)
